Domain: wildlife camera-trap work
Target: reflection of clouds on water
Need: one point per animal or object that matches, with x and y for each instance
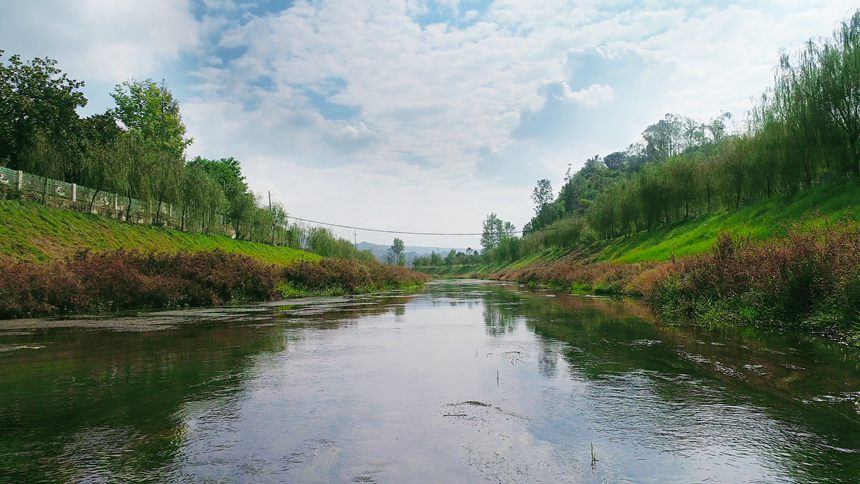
(462, 381)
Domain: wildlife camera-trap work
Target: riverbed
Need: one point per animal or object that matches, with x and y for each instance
(464, 381)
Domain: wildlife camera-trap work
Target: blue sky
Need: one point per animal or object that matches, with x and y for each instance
(420, 115)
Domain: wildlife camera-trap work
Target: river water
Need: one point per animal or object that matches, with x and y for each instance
(462, 382)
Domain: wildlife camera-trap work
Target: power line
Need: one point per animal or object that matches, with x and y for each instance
(404, 232)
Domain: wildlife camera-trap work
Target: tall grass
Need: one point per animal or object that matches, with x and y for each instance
(808, 281)
(121, 280)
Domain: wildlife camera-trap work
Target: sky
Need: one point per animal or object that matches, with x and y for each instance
(420, 115)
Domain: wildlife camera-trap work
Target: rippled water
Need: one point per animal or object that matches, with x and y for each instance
(465, 381)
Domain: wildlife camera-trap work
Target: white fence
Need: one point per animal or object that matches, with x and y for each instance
(72, 196)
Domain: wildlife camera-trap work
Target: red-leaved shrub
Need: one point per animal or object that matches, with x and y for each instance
(132, 280)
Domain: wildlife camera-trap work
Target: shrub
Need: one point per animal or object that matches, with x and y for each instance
(811, 280)
(131, 280)
(346, 275)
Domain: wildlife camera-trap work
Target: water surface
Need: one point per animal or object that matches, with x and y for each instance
(462, 382)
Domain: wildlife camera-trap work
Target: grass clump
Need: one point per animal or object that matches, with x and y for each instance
(333, 276)
(808, 281)
(122, 280)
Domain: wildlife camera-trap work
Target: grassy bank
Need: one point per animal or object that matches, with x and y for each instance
(56, 261)
(118, 280)
(34, 232)
(762, 220)
(792, 265)
(807, 281)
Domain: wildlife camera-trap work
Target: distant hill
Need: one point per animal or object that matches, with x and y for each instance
(381, 251)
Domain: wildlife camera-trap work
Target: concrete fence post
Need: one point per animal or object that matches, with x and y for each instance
(20, 181)
(74, 192)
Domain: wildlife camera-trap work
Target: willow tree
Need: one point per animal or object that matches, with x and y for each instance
(839, 79)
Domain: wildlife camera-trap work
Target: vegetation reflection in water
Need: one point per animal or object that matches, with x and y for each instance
(462, 382)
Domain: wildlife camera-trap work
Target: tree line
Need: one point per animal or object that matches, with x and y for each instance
(802, 132)
(137, 150)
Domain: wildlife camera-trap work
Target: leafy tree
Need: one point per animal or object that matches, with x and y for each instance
(38, 99)
(150, 112)
(542, 194)
(227, 172)
(495, 231)
(396, 253)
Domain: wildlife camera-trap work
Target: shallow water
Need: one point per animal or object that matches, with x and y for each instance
(465, 381)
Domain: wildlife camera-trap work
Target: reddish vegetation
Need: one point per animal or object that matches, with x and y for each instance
(350, 275)
(120, 280)
(810, 279)
(599, 278)
(132, 280)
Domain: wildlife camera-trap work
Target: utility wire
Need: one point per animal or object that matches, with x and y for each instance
(402, 232)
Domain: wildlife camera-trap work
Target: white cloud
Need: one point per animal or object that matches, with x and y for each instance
(354, 112)
(592, 96)
(99, 40)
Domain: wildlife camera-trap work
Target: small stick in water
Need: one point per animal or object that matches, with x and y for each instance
(497, 377)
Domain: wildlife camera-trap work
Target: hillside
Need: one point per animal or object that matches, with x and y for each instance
(764, 219)
(380, 252)
(34, 232)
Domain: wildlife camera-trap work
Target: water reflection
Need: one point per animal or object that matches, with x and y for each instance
(463, 382)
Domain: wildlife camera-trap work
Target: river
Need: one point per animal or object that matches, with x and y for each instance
(463, 381)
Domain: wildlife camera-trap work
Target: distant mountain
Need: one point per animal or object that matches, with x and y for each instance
(381, 251)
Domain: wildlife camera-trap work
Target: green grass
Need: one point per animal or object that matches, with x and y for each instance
(489, 268)
(761, 220)
(33, 232)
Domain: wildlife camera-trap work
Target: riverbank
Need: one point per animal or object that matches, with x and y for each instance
(130, 280)
(808, 281)
(33, 232)
(789, 237)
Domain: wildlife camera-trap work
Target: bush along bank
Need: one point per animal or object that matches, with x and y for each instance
(120, 280)
(346, 276)
(808, 281)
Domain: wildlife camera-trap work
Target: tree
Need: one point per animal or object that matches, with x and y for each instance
(38, 99)
(227, 172)
(150, 112)
(542, 194)
(495, 231)
(396, 252)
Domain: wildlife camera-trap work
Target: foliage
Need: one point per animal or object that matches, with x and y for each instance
(123, 280)
(38, 100)
(804, 132)
(151, 113)
(323, 242)
(496, 231)
(144, 159)
(112, 281)
(338, 276)
(396, 253)
(809, 280)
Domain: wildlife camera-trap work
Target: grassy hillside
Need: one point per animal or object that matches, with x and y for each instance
(761, 220)
(489, 268)
(34, 232)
